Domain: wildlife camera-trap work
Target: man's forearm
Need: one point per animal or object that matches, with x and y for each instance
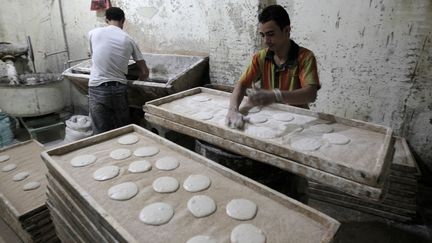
(144, 72)
(237, 97)
(300, 96)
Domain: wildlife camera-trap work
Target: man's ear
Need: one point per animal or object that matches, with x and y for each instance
(287, 29)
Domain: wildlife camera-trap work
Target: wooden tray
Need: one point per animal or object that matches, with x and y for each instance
(20, 208)
(295, 222)
(364, 159)
(339, 183)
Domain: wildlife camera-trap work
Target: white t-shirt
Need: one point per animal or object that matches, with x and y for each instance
(111, 50)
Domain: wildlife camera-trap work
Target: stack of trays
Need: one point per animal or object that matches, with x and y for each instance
(399, 199)
(85, 207)
(348, 155)
(23, 192)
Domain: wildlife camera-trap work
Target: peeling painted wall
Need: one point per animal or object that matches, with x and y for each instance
(233, 38)
(374, 58)
(167, 26)
(374, 61)
(38, 19)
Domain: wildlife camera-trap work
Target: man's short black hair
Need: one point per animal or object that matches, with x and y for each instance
(114, 13)
(276, 13)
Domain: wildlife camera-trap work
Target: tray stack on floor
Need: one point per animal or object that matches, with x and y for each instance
(83, 212)
(25, 212)
(399, 199)
(348, 155)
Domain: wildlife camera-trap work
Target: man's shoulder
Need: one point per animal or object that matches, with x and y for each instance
(305, 52)
(261, 54)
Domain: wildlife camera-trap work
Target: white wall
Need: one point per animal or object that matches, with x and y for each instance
(374, 57)
(175, 26)
(374, 61)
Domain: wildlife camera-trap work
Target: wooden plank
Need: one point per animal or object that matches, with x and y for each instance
(60, 184)
(340, 183)
(26, 156)
(363, 209)
(374, 205)
(363, 160)
(64, 230)
(302, 220)
(74, 210)
(12, 221)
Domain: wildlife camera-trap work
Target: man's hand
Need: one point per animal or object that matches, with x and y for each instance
(261, 97)
(144, 71)
(235, 119)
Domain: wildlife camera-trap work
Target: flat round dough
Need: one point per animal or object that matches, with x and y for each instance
(83, 160)
(255, 109)
(156, 213)
(257, 119)
(123, 191)
(167, 163)
(290, 127)
(146, 151)
(241, 209)
(121, 153)
(21, 176)
(203, 116)
(165, 184)
(201, 239)
(139, 166)
(335, 138)
(106, 173)
(306, 144)
(201, 98)
(247, 233)
(31, 185)
(196, 183)
(262, 132)
(128, 139)
(4, 158)
(9, 167)
(321, 128)
(201, 206)
(284, 117)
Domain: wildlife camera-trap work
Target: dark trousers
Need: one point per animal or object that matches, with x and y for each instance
(108, 106)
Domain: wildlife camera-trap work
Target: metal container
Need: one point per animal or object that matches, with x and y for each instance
(31, 100)
(169, 74)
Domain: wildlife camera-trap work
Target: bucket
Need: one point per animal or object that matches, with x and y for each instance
(6, 134)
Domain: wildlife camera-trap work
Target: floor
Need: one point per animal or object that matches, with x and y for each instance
(355, 226)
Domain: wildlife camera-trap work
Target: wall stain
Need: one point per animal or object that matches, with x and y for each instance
(363, 31)
(338, 20)
(413, 75)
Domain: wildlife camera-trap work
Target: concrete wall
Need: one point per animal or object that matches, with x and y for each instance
(374, 57)
(175, 26)
(375, 60)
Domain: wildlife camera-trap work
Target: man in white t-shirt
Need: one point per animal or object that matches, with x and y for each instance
(111, 49)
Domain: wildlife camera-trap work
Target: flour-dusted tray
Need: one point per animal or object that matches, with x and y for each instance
(337, 182)
(364, 159)
(77, 199)
(399, 200)
(25, 211)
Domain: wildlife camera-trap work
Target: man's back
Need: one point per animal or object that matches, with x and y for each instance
(111, 50)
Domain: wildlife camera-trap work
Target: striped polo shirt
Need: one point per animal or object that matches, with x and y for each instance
(300, 70)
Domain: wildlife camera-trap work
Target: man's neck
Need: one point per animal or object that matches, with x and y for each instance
(116, 23)
(282, 55)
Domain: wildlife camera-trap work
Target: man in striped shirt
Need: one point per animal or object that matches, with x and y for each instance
(284, 72)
